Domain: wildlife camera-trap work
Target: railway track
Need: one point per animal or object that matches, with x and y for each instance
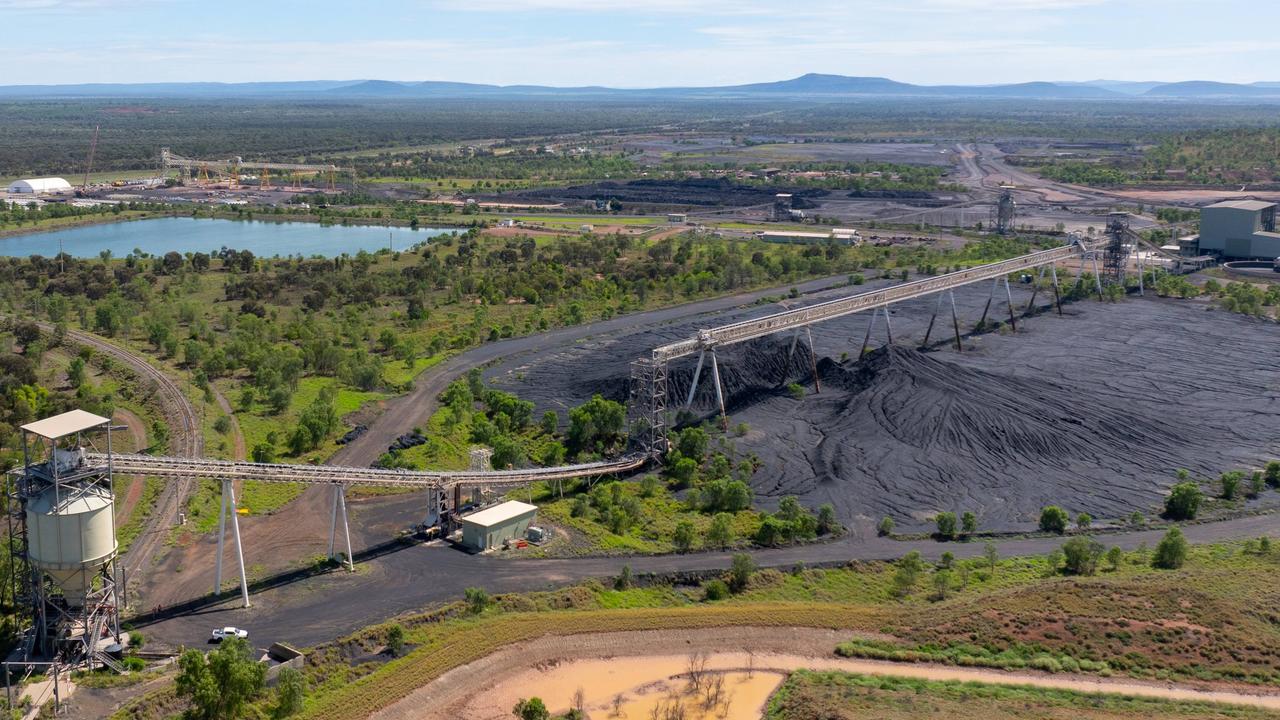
(185, 440)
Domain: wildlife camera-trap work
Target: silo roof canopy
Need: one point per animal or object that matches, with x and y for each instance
(68, 423)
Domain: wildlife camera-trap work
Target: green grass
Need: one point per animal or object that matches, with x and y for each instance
(810, 695)
(397, 372)
(126, 534)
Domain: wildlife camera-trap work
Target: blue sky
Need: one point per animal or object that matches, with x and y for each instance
(637, 43)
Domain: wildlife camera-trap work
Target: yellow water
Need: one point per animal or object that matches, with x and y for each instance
(633, 688)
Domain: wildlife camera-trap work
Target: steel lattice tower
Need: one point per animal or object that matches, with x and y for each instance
(1115, 257)
(647, 407)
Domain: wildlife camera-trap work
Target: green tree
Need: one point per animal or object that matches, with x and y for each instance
(692, 443)
(264, 453)
(1184, 501)
(942, 583)
(968, 523)
(531, 709)
(885, 527)
(1081, 555)
(720, 534)
(75, 372)
(740, 572)
(827, 519)
(992, 555)
(1271, 473)
(220, 685)
(1171, 551)
(1054, 519)
(291, 690)
(1084, 521)
(907, 573)
(1231, 484)
(596, 425)
(550, 422)
(1114, 556)
(946, 522)
(684, 536)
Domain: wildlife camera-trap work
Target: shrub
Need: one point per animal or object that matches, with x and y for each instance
(740, 572)
(683, 537)
(624, 578)
(796, 391)
(1231, 484)
(1171, 552)
(134, 663)
(1084, 521)
(827, 519)
(477, 599)
(1082, 555)
(531, 709)
(1054, 519)
(395, 640)
(1114, 556)
(1184, 501)
(946, 522)
(885, 527)
(714, 590)
(968, 523)
(720, 534)
(1272, 473)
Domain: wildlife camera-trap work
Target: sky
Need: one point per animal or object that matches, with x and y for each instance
(637, 43)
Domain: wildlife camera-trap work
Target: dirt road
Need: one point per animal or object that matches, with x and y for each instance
(553, 667)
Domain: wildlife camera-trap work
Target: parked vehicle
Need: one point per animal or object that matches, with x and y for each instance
(222, 633)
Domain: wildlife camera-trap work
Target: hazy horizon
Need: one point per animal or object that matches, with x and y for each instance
(610, 43)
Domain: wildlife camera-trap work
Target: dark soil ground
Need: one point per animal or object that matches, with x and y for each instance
(1094, 411)
(708, 192)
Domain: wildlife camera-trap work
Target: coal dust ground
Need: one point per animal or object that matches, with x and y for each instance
(1094, 411)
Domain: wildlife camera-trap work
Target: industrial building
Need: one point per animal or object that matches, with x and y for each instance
(492, 527)
(39, 186)
(1239, 229)
(841, 236)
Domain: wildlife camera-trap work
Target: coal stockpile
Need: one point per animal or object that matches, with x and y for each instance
(1095, 411)
(693, 192)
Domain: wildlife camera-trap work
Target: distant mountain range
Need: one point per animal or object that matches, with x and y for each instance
(813, 85)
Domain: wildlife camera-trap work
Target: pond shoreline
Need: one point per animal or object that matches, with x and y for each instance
(82, 240)
(112, 219)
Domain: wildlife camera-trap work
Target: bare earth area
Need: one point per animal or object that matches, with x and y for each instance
(647, 668)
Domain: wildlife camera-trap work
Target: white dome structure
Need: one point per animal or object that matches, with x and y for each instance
(39, 186)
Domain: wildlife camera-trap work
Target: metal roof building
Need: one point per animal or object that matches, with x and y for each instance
(491, 527)
(1240, 229)
(36, 186)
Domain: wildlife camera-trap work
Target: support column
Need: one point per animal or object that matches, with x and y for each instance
(955, 320)
(995, 283)
(866, 339)
(1035, 290)
(813, 359)
(888, 327)
(936, 309)
(715, 374)
(1057, 294)
(222, 532)
(697, 373)
(1009, 296)
(346, 528)
(795, 338)
(1137, 252)
(1097, 276)
(333, 522)
(229, 489)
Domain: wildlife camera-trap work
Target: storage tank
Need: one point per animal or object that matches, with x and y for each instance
(71, 534)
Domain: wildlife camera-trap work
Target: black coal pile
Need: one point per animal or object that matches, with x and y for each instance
(691, 192)
(906, 434)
